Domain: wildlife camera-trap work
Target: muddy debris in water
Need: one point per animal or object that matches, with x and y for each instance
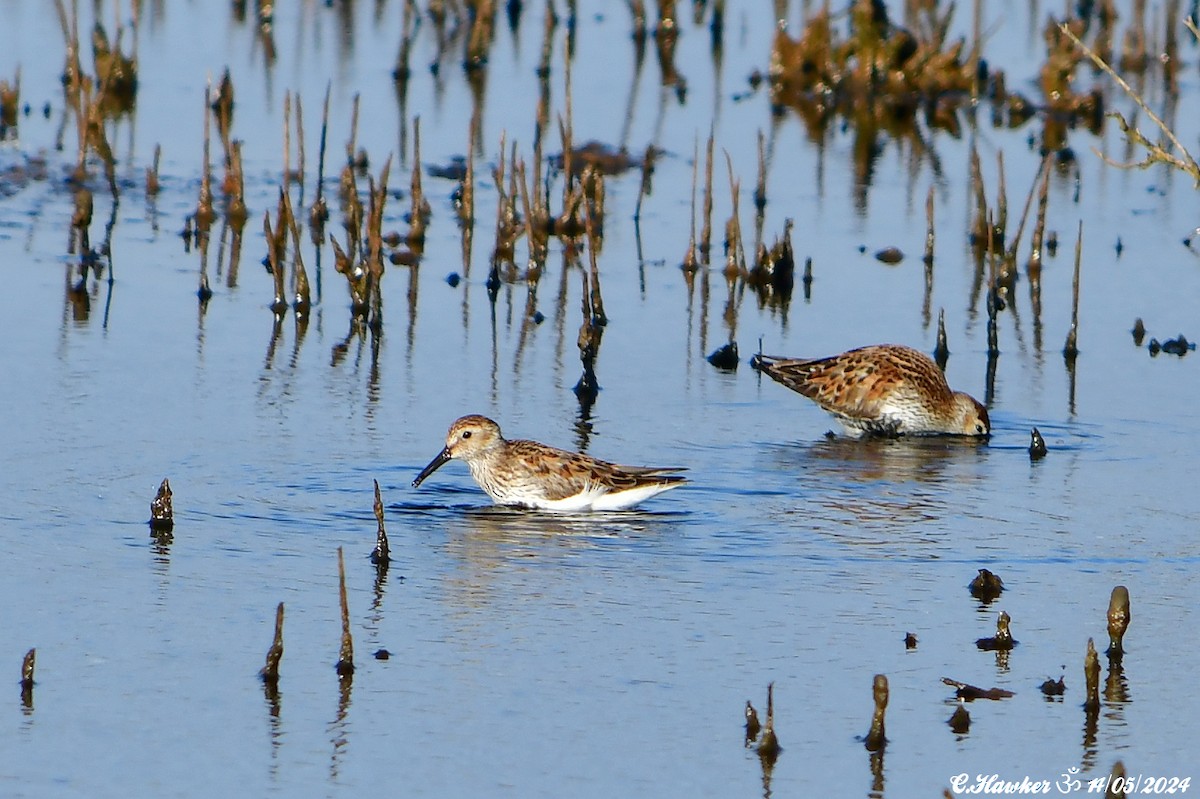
(910, 641)
(381, 555)
(1138, 331)
(875, 740)
(889, 255)
(1002, 641)
(960, 720)
(986, 586)
(1054, 687)
(725, 357)
(753, 726)
(1119, 616)
(970, 692)
(345, 661)
(270, 671)
(1173, 346)
(1091, 674)
(381, 654)
(162, 516)
(1037, 445)
(604, 158)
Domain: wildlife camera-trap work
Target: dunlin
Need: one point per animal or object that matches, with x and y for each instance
(533, 475)
(884, 389)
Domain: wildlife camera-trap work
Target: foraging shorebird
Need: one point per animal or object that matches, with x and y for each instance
(533, 475)
(883, 389)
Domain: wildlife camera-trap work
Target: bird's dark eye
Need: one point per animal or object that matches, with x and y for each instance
(466, 434)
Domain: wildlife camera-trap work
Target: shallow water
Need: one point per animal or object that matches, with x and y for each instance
(543, 655)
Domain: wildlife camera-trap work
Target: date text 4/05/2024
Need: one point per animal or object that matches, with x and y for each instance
(994, 784)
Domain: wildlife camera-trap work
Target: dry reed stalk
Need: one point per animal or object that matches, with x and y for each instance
(760, 185)
(204, 207)
(300, 146)
(278, 302)
(152, 184)
(27, 668)
(706, 230)
(287, 140)
(599, 318)
(345, 662)
(1071, 349)
(419, 215)
(929, 232)
(270, 671)
(735, 254)
(319, 213)
(941, 353)
(301, 294)
(235, 209)
(690, 262)
(1155, 154)
(381, 556)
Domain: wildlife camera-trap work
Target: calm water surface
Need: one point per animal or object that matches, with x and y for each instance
(608, 655)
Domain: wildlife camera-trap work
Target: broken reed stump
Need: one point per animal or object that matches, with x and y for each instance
(27, 664)
(986, 586)
(1003, 640)
(152, 183)
(768, 745)
(753, 726)
(345, 663)
(960, 720)
(941, 353)
(27, 679)
(162, 517)
(1118, 622)
(1091, 674)
(875, 739)
(1037, 445)
(381, 556)
(270, 672)
(1071, 349)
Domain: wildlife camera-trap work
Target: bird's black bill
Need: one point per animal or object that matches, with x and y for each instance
(433, 466)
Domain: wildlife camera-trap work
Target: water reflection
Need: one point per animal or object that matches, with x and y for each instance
(487, 541)
(901, 460)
